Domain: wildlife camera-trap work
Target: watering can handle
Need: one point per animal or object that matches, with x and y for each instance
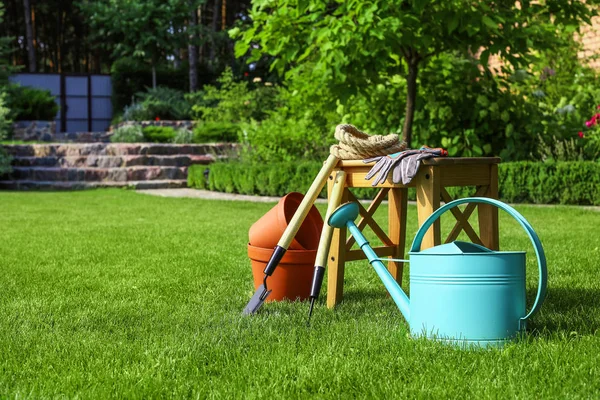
(539, 251)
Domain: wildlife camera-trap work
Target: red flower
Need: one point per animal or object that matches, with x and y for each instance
(157, 119)
(598, 107)
(580, 134)
(246, 74)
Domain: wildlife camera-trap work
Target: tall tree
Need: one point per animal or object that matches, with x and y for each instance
(355, 43)
(193, 45)
(149, 29)
(29, 33)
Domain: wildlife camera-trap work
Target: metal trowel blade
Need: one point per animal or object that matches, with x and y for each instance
(257, 300)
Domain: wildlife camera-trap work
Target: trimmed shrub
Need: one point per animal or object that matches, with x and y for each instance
(31, 104)
(576, 182)
(159, 134)
(128, 134)
(519, 182)
(210, 132)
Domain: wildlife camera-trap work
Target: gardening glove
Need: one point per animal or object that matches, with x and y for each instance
(384, 165)
(407, 168)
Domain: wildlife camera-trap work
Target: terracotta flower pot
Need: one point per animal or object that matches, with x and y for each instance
(292, 277)
(267, 231)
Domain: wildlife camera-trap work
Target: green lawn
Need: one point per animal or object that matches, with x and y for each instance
(117, 294)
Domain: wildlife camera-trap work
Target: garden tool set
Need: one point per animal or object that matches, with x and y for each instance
(353, 144)
(460, 292)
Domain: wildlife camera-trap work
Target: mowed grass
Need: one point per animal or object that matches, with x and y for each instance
(114, 294)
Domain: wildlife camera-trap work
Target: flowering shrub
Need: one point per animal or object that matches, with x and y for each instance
(591, 137)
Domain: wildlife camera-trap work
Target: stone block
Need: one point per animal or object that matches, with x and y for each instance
(34, 130)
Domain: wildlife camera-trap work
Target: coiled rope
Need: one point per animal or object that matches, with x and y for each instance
(357, 145)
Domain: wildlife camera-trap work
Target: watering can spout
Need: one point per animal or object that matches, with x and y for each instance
(343, 217)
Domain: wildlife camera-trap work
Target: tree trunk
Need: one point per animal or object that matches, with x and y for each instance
(224, 15)
(411, 97)
(193, 47)
(153, 75)
(213, 44)
(29, 34)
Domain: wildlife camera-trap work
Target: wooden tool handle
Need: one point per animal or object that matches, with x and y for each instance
(307, 202)
(335, 198)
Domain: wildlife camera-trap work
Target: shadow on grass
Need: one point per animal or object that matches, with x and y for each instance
(567, 310)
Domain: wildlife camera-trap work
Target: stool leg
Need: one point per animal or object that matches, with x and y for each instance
(336, 259)
(398, 203)
(488, 215)
(428, 200)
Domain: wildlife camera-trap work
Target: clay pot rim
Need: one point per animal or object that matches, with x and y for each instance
(290, 256)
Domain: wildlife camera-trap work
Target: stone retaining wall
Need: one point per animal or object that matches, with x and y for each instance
(34, 130)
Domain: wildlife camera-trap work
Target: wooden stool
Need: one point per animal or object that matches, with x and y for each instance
(435, 174)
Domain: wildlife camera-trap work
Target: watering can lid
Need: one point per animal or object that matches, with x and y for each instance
(456, 247)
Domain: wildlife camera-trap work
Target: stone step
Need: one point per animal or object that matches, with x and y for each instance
(50, 185)
(112, 161)
(141, 173)
(116, 149)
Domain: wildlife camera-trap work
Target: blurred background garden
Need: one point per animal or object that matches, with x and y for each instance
(479, 79)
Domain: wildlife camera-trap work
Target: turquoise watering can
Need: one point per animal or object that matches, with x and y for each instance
(461, 292)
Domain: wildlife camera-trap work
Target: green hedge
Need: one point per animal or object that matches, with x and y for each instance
(519, 182)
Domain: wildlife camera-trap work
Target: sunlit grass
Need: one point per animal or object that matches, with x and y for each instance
(117, 294)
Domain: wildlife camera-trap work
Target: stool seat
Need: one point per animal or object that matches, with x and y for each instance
(431, 181)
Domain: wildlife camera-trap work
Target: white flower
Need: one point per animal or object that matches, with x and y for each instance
(257, 80)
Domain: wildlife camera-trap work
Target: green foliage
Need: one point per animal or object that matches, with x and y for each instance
(161, 102)
(519, 182)
(550, 182)
(4, 127)
(130, 76)
(128, 134)
(209, 132)
(28, 104)
(183, 136)
(142, 29)
(159, 134)
(565, 94)
(351, 45)
(233, 101)
(281, 138)
(5, 121)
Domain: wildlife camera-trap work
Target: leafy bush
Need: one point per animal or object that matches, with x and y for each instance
(130, 76)
(519, 182)
(159, 103)
(183, 136)
(233, 101)
(280, 138)
(28, 104)
(565, 92)
(128, 134)
(209, 132)
(159, 134)
(134, 112)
